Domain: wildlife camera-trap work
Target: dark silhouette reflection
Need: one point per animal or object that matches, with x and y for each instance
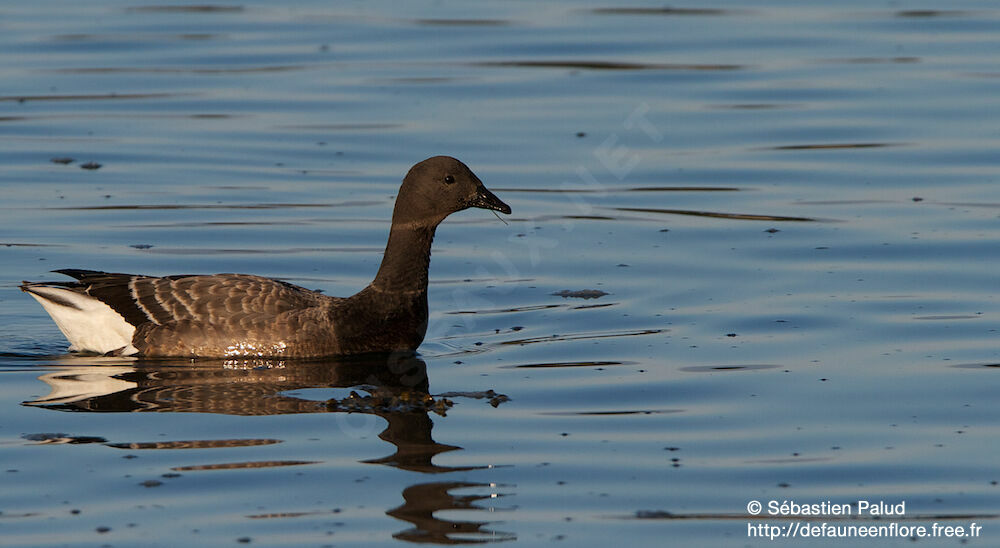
(424, 499)
(395, 387)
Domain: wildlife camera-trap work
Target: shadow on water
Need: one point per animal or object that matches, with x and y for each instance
(717, 214)
(463, 22)
(666, 10)
(203, 8)
(90, 97)
(163, 70)
(931, 13)
(606, 190)
(832, 146)
(137, 207)
(607, 65)
(394, 387)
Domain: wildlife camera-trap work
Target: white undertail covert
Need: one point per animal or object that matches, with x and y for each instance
(89, 324)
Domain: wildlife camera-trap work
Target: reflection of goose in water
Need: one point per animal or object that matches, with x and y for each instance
(244, 387)
(424, 499)
(395, 388)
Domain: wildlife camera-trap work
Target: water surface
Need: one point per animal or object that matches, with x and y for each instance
(753, 256)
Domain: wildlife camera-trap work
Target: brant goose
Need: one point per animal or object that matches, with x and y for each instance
(239, 315)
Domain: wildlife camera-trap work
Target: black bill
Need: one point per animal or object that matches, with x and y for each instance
(487, 200)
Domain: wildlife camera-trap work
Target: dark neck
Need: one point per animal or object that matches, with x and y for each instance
(407, 257)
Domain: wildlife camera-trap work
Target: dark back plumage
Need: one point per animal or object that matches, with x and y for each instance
(200, 298)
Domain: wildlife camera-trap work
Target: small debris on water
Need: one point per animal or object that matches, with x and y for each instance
(387, 401)
(490, 395)
(653, 514)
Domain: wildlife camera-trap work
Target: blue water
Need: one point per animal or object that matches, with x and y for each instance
(753, 256)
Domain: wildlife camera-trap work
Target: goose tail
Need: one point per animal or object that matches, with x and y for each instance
(90, 325)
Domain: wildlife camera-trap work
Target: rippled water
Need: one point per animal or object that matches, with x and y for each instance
(753, 256)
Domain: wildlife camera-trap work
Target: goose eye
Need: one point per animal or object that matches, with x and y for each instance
(449, 179)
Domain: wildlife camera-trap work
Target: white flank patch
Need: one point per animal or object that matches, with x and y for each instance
(90, 327)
